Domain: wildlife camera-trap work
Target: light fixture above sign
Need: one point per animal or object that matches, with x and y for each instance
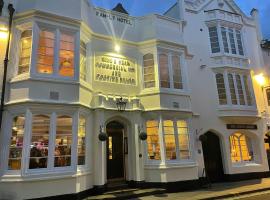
(121, 104)
(117, 48)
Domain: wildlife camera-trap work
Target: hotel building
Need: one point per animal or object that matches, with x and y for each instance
(79, 74)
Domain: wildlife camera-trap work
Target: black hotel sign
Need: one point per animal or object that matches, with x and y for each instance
(242, 126)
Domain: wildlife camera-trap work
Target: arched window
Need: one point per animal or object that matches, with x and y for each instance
(221, 89)
(241, 148)
(152, 129)
(63, 141)
(164, 71)
(83, 70)
(25, 52)
(16, 143)
(39, 142)
(81, 141)
(149, 71)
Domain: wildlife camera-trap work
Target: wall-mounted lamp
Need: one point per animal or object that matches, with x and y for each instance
(142, 134)
(117, 48)
(121, 104)
(260, 79)
(102, 135)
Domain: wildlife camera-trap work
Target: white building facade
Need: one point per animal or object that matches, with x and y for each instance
(186, 77)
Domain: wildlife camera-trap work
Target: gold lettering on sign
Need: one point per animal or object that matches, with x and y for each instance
(115, 70)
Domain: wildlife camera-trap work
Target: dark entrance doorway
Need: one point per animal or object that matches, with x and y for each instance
(212, 158)
(115, 151)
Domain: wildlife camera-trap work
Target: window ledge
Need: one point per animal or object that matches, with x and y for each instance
(43, 79)
(246, 164)
(171, 165)
(165, 91)
(42, 177)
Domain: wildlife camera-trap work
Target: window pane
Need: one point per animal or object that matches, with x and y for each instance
(63, 141)
(183, 139)
(164, 71)
(221, 89)
(45, 54)
(247, 89)
(240, 90)
(81, 141)
(169, 138)
(268, 96)
(66, 55)
(232, 89)
(149, 71)
(26, 44)
(39, 142)
(153, 140)
(232, 41)
(83, 70)
(214, 39)
(239, 42)
(225, 40)
(177, 74)
(16, 143)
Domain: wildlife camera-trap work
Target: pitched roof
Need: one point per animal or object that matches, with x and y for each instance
(119, 8)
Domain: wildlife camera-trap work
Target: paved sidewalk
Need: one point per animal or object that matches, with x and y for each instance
(217, 191)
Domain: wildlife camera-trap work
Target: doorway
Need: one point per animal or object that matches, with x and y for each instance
(115, 151)
(212, 158)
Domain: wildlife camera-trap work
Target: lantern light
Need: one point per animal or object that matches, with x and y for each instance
(260, 79)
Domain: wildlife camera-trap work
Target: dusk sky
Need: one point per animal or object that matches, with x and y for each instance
(143, 7)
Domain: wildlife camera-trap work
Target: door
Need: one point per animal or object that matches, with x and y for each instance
(212, 158)
(115, 151)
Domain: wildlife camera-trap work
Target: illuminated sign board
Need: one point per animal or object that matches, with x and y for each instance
(113, 69)
(242, 126)
(112, 17)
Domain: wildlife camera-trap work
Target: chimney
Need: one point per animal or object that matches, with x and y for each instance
(256, 17)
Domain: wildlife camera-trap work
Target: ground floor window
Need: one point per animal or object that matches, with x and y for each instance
(175, 136)
(241, 148)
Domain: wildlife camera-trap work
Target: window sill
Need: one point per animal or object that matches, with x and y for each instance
(171, 165)
(228, 55)
(154, 91)
(246, 164)
(43, 79)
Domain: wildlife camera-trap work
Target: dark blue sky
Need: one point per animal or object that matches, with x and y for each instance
(143, 7)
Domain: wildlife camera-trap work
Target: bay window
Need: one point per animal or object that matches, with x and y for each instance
(16, 143)
(230, 38)
(175, 136)
(25, 52)
(241, 148)
(170, 71)
(239, 88)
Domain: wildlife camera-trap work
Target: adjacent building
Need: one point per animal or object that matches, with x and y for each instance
(188, 79)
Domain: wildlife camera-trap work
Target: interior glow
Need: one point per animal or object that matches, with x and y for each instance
(260, 79)
(117, 48)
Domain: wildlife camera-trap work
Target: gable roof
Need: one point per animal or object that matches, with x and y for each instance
(119, 8)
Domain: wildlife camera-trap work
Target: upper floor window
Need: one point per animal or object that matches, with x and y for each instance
(164, 71)
(83, 70)
(149, 71)
(16, 143)
(241, 148)
(170, 71)
(81, 141)
(238, 86)
(231, 39)
(221, 89)
(56, 51)
(45, 54)
(25, 52)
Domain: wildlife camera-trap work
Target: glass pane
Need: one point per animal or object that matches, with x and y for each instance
(153, 140)
(225, 40)
(240, 90)
(183, 139)
(149, 68)
(25, 54)
(83, 70)
(39, 142)
(239, 42)
(63, 141)
(232, 41)
(66, 55)
(221, 89)
(16, 143)
(247, 90)
(45, 52)
(232, 89)
(177, 75)
(214, 39)
(164, 71)
(81, 141)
